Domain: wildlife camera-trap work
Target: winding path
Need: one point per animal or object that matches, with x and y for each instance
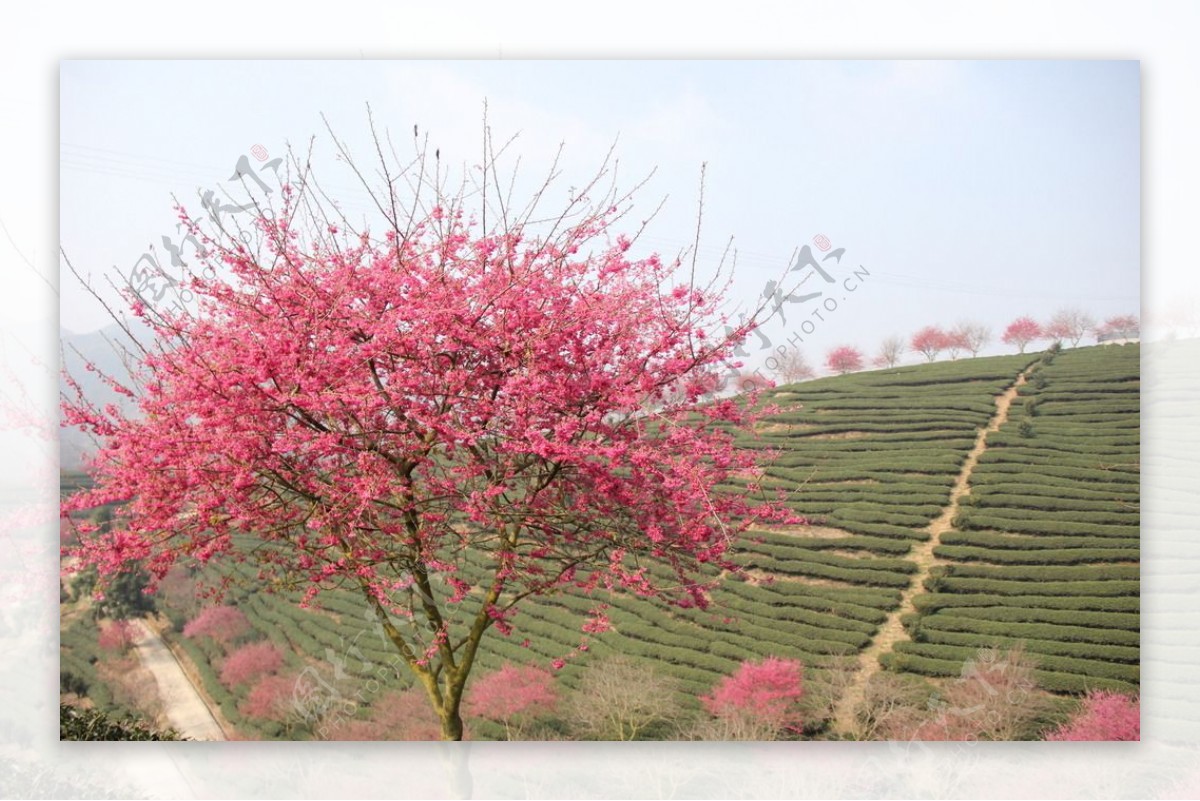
(892, 630)
(184, 708)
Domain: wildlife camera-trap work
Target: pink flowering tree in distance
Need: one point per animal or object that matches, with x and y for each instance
(513, 696)
(1121, 325)
(844, 359)
(395, 715)
(116, 635)
(761, 698)
(1021, 332)
(462, 408)
(272, 698)
(930, 341)
(1105, 716)
(269, 699)
(225, 624)
(250, 662)
(956, 341)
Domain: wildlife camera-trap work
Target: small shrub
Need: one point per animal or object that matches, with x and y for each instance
(92, 724)
(916, 628)
(70, 682)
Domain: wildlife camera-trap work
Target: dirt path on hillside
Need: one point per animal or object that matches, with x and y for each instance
(892, 631)
(185, 710)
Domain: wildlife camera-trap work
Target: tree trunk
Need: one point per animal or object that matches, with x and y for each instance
(452, 725)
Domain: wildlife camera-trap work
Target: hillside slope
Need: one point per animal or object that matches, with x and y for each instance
(922, 516)
(1046, 547)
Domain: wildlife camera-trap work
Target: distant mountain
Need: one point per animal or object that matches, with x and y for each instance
(107, 350)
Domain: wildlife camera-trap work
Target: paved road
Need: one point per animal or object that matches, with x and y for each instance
(186, 710)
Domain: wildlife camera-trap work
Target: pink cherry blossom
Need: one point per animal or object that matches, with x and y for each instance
(384, 412)
(767, 691)
(1105, 716)
(250, 662)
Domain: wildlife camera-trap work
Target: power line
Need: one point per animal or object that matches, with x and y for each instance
(914, 282)
(25, 258)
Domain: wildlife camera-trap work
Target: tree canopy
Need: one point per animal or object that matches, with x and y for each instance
(471, 409)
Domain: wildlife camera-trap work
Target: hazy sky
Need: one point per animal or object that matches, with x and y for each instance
(967, 189)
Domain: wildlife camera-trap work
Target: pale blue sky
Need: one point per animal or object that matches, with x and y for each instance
(969, 189)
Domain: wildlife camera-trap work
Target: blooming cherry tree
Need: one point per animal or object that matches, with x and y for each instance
(395, 715)
(762, 697)
(225, 624)
(956, 341)
(450, 417)
(1124, 326)
(1105, 716)
(513, 696)
(116, 635)
(931, 341)
(844, 359)
(271, 698)
(250, 662)
(1021, 332)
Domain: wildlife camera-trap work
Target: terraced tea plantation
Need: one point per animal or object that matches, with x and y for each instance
(1044, 550)
(1045, 547)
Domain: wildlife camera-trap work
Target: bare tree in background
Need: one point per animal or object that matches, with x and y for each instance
(893, 705)
(996, 698)
(745, 727)
(890, 352)
(792, 367)
(1070, 325)
(973, 336)
(825, 687)
(619, 698)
